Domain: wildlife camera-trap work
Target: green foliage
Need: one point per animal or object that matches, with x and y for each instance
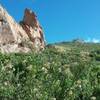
(51, 75)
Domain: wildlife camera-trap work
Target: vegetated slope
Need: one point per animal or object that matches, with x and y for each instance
(64, 71)
(78, 46)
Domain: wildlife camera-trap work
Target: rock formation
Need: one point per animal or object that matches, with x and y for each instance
(20, 38)
(33, 29)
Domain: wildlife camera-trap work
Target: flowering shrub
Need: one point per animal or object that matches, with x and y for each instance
(50, 75)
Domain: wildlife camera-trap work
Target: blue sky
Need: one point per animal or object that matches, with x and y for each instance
(62, 20)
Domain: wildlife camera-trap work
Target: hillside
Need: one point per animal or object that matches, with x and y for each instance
(78, 46)
(63, 71)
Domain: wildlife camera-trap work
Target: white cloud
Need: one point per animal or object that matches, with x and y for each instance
(94, 40)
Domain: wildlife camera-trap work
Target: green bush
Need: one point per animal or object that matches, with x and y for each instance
(50, 75)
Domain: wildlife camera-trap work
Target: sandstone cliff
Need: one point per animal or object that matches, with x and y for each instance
(20, 38)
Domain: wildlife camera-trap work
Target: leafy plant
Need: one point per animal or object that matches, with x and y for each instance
(51, 75)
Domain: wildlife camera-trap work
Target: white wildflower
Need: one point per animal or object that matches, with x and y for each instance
(5, 83)
(3, 68)
(29, 67)
(93, 98)
(9, 65)
(70, 92)
(80, 86)
(18, 85)
(53, 99)
(44, 69)
(59, 69)
(13, 69)
(79, 82)
(35, 89)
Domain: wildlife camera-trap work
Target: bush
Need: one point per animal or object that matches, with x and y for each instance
(50, 75)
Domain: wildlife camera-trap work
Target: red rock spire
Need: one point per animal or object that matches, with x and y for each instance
(33, 29)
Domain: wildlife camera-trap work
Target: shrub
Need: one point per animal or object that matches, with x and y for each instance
(50, 75)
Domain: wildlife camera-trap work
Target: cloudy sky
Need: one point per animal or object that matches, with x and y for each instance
(62, 20)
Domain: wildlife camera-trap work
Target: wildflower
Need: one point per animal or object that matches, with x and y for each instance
(13, 69)
(66, 65)
(9, 65)
(70, 92)
(9, 72)
(35, 89)
(53, 99)
(59, 69)
(75, 63)
(5, 83)
(18, 84)
(93, 98)
(47, 65)
(79, 82)
(53, 62)
(44, 69)
(24, 61)
(29, 67)
(80, 86)
(3, 68)
(2, 87)
(38, 95)
(67, 71)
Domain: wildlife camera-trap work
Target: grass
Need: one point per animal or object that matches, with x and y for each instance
(53, 74)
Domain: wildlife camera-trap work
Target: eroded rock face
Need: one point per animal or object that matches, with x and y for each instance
(33, 29)
(20, 38)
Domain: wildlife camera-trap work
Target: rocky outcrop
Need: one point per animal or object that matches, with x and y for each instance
(20, 38)
(33, 29)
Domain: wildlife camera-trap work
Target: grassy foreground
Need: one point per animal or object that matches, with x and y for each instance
(66, 71)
